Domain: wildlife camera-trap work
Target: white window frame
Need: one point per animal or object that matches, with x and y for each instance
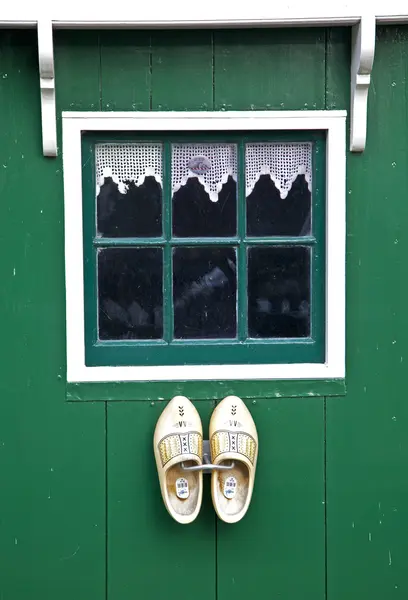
(74, 124)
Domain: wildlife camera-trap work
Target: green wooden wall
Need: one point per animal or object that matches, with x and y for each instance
(80, 512)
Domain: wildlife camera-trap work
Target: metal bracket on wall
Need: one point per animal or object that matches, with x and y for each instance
(207, 467)
(362, 59)
(47, 87)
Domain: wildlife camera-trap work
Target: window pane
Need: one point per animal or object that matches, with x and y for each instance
(278, 292)
(204, 292)
(129, 190)
(278, 188)
(204, 190)
(130, 293)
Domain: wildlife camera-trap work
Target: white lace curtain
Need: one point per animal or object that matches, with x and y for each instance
(283, 162)
(212, 164)
(128, 162)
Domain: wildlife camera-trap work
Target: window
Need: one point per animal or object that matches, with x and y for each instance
(203, 247)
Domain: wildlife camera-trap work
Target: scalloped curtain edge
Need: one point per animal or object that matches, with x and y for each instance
(283, 188)
(213, 195)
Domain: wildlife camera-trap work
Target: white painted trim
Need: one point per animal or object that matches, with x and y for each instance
(362, 59)
(158, 120)
(333, 122)
(47, 88)
(229, 13)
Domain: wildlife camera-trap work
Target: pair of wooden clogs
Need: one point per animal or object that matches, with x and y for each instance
(178, 446)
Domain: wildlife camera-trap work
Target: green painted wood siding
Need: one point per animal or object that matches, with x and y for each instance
(78, 484)
(52, 453)
(367, 433)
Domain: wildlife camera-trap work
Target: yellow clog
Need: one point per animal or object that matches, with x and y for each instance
(233, 438)
(178, 438)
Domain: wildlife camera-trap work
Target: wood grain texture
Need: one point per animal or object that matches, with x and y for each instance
(52, 461)
(367, 450)
(278, 549)
(182, 70)
(273, 69)
(78, 70)
(149, 554)
(140, 392)
(125, 70)
(338, 59)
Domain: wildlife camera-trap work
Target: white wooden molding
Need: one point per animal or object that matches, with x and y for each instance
(47, 87)
(362, 59)
(332, 122)
(229, 13)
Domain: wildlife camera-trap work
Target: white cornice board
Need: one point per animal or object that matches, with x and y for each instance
(212, 13)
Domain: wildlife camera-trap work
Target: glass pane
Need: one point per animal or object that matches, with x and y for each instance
(129, 190)
(278, 189)
(130, 293)
(279, 292)
(204, 292)
(204, 190)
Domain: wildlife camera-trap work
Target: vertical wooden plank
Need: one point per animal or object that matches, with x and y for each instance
(125, 70)
(278, 549)
(269, 69)
(52, 502)
(338, 60)
(77, 64)
(367, 449)
(182, 74)
(52, 459)
(150, 555)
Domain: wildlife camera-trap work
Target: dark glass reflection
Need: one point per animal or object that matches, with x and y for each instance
(279, 292)
(137, 213)
(130, 293)
(269, 214)
(195, 215)
(204, 292)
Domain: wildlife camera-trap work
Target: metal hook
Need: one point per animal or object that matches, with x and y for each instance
(207, 467)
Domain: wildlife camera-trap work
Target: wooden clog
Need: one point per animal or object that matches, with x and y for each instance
(233, 438)
(178, 438)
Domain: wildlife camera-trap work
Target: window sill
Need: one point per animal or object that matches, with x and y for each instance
(202, 390)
